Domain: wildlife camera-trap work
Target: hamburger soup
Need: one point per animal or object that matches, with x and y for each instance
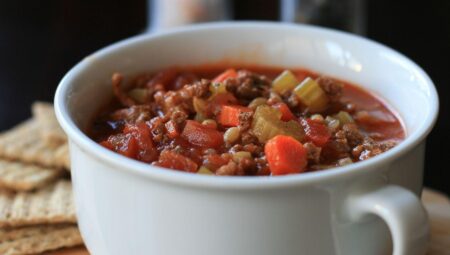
(248, 121)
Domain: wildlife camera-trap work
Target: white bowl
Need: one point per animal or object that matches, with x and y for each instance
(128, 207)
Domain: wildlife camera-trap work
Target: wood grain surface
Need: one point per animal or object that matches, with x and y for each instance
(437, 205)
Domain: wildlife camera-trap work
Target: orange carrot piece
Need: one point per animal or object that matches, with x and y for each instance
(285, 155)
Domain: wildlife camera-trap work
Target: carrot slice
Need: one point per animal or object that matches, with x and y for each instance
(229, 115)
(229, 73)
(285, 155)
(286, 114)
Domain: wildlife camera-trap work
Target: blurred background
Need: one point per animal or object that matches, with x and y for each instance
(41, 40)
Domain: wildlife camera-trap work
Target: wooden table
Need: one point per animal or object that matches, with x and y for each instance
(438, 207)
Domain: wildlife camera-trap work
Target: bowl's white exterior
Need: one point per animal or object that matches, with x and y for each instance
(127, 207)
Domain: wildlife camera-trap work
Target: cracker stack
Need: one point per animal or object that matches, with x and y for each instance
(36, 207)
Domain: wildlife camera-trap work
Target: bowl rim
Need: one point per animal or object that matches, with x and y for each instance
(131, 166)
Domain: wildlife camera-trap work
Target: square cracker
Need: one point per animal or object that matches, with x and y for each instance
(49, 205)
(38, 239)
(50, 130)
(20, 176)
(24, 143)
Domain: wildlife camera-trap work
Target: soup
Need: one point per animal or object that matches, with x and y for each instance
(250, 121)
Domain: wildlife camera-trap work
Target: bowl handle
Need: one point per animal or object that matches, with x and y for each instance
(401, 210)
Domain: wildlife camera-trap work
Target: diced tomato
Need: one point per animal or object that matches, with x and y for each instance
(229, 73)
(177, 161)
(141, 132)
(285, 155)
(286, 114)
(316, 132)
(229, 114)
(125, 144)
(201, 135)
(171, 128)
(223, 98)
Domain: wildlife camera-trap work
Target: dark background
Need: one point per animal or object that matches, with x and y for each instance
(41, 40)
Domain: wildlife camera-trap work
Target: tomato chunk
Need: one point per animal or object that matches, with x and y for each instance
(285, 155)
(229, 115)
(286, 114)
(125, 144)
(229, 73)
(177, 161)
(171, 128)
(141, 133)
(201, 135)
(316, 132)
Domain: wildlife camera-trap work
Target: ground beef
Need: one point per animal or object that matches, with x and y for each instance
(178, 117)
(248, 85)
(118, 91)
(133, 114)
(292, 100)
(370, 148)
(157, 129)
(313, 153)
(332, 88)
(248, 138)
(261, 166)
(182, 98)
(338, 146)
(353, 135)
(229, 169)
(245, 120)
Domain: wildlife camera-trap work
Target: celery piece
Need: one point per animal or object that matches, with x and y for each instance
(286, 81)
(204, 170)
(267, 123)
(139, 95)
(344, 117)
(311, 95)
